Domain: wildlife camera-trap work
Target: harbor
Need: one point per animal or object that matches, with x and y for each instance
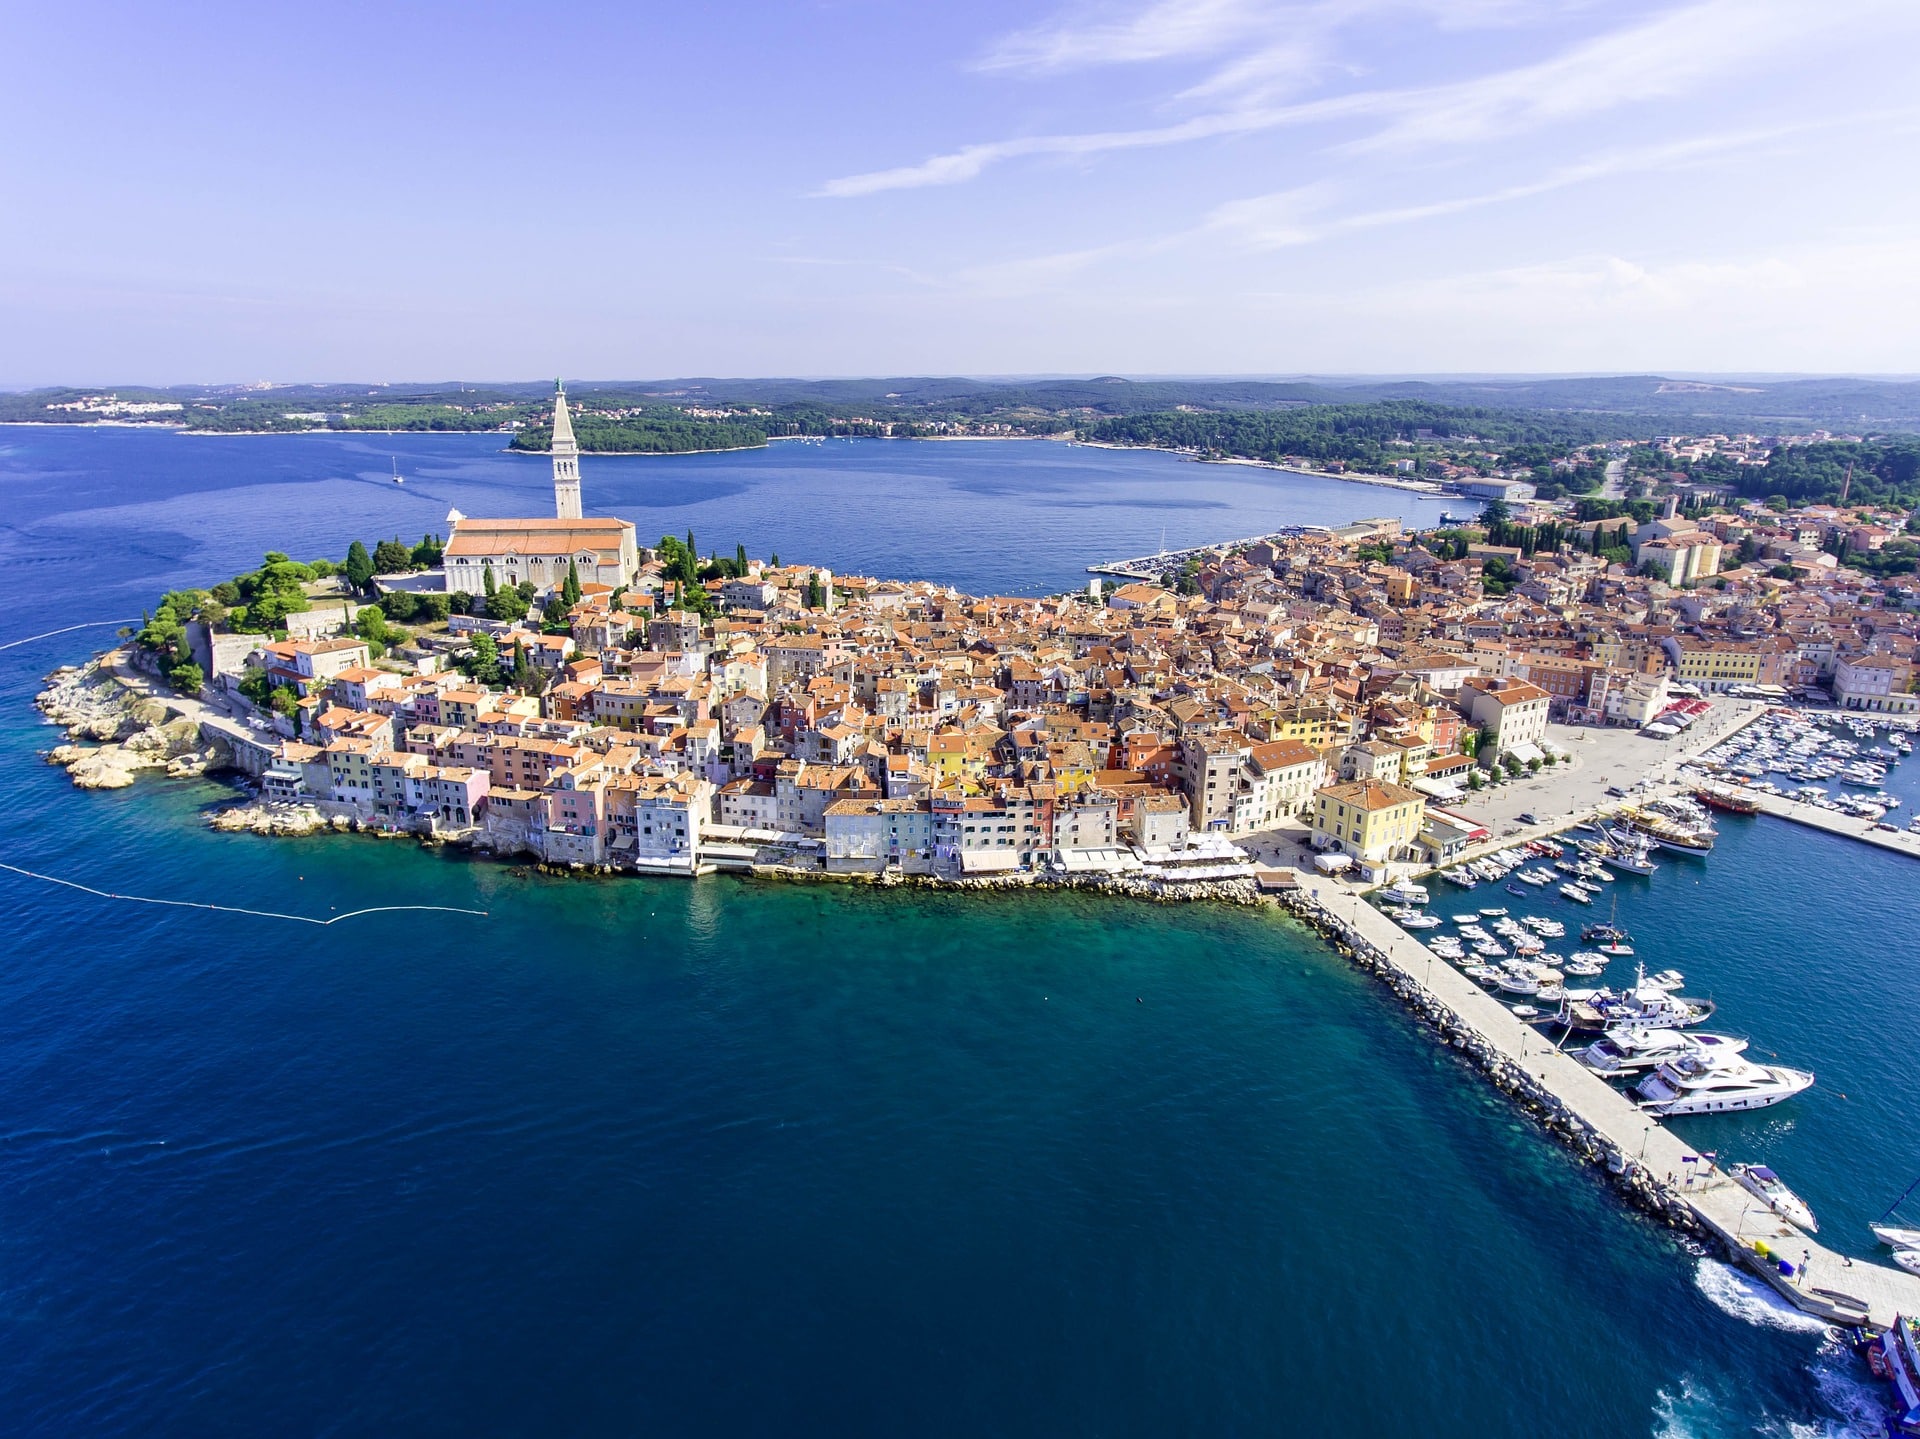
(1662, 1173)
(1557, 1063)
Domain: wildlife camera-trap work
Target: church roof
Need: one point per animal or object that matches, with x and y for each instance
(542, 537)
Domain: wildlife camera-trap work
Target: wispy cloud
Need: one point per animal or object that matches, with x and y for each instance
(1681, 51)
(1311, 213)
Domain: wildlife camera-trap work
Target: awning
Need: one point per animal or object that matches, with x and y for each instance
(989, 861)
(1526, 752)
(1332, 863)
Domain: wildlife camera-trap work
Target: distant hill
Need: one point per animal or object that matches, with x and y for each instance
(1839, 403)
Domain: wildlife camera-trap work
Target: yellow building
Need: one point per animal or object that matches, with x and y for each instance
(1715, 664)
(1372, 820)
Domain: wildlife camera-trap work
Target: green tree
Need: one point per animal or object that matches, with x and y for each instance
(255, 685)
(492, 586)
(522, 670)
(814, 596)
(506, 604)
(426, 554)
(570, 587)
(359, 566)
(482, 661)
(284, 701)
(187, 678)
(393, 556)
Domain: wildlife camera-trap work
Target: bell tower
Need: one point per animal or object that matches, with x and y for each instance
(566, 459)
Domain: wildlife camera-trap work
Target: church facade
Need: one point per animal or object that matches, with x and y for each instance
(602, 551)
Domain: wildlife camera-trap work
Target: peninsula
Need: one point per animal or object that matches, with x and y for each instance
(548, 687)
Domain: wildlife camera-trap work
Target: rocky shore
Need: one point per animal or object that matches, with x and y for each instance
(115, 729)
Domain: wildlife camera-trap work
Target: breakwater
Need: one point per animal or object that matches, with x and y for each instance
(1653, 1167)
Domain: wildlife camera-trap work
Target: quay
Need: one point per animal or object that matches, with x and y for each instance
(1660, 1170)
(1151, 568)
(1845, 825)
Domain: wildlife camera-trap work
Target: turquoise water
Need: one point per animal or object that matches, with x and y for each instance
(716, 1158)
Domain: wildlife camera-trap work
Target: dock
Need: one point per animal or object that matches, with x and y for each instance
(1664, 1172)
(1899, 841)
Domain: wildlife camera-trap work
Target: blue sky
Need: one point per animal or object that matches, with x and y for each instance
(215, 192)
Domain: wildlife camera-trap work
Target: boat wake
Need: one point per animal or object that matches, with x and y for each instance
(1843, 1402)
(1746, 1298)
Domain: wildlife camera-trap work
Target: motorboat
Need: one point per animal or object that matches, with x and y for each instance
(1667, 979)
(1771, 1190)
(1645, 1006)
(1535, 878)
(1626, 1050)
(1531, 1012)
(1493, 914)
(1698, 1086)
(1894, 1236)
(1471, 918)
(1459, 877)
(1909, 1260)
(1405, 891)
(1575, 893)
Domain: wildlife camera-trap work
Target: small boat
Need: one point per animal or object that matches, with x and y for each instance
(1616, 951)
(1575, 893)
(1532, 1011)
(1908, 1259)
(1516, 889)
(1895, 1237)
(1493, 914)
(1771, 1190)
(1667, 979)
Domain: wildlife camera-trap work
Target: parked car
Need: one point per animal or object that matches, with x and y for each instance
(1527, 816)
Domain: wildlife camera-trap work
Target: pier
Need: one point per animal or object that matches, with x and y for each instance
(1900, 841)
(1663, 1172)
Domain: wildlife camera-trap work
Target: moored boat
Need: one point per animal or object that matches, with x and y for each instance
(1771, 1190)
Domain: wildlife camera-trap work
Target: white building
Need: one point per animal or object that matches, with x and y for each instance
(601, 551)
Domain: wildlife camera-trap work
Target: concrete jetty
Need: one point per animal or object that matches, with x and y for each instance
(1663, 1173)
(1845, 825)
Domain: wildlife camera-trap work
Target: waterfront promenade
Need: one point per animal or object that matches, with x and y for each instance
(1824, 1283)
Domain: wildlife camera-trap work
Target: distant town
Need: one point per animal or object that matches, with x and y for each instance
(548, 687)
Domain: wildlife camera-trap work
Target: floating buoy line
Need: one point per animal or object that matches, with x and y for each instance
(235, 909)
(67, 630)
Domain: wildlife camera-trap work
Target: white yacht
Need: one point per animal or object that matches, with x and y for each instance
(1771, 1190)
(1624, 1050)
(1697, 1086)
(1645, 1006)
(1405, 891)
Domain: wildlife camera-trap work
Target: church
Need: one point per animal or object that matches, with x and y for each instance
(602, 551)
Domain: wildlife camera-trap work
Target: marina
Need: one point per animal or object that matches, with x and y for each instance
(1666, 1173)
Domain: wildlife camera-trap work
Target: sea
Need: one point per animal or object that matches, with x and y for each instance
(646, 1156)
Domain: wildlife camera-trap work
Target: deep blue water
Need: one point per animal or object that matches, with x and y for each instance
(719, 1159)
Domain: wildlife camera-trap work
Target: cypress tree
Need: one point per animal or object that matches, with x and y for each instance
(491, 586)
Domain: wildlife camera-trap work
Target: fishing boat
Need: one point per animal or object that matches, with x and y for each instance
(1771, 1190)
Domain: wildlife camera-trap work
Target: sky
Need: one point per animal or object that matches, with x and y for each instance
(212, 192)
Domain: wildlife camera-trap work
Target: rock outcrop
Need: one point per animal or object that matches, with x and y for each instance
(131, 731)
